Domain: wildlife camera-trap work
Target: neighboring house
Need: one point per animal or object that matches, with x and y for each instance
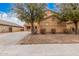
(6, 26)
(49, 22)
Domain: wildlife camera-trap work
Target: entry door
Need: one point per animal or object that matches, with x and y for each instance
(10, 29)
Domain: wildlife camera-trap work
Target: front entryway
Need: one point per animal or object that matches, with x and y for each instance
(10, 29)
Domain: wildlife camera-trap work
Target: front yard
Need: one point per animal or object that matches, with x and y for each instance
(50, 39)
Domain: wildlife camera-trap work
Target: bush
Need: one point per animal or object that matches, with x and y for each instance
(53, 31)
(42, 31)
(66, 31)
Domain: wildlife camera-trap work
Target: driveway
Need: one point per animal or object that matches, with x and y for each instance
(8, 47)
(12, 38)
(40, 50)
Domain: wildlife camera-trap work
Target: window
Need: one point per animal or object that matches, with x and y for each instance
(28, 27)
(35, 27)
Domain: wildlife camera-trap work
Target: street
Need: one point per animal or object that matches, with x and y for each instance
(8, 47)
(40, 50)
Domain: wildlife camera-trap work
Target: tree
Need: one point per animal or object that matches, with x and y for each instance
(69, 12)
(30, 13)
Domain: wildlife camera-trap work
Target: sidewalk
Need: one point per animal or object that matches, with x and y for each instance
(40, 50)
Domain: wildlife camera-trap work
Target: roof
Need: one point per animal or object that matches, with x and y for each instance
(3, 22)
(69, 22)
(51, 11)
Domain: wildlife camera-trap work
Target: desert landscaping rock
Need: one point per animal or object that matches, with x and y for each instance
(50, 39)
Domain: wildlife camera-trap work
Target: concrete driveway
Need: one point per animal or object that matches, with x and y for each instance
(12, 38)
(40, 50)
(8, 47)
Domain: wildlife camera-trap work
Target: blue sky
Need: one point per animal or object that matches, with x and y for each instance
(53, 7)
(5, 7)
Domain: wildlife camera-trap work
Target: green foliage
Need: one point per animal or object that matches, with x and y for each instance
(30, 12)
(69, 11)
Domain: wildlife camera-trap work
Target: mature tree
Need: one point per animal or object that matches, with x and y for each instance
(69, 12)
(30, 13)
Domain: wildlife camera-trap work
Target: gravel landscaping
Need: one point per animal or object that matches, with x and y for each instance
(50, 39)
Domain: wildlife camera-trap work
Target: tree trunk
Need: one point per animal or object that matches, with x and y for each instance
(38, 27)
(32, 27)
(32, 22)
(76, 27)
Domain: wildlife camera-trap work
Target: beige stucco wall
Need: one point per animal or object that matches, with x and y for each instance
(60, 27)
(16, 29)
(48, 25)
(4, 29)
(78, 25)
(52, 23)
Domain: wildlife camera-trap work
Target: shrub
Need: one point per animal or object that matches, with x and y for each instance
(53, 31)
(42, 31)
(66, 31)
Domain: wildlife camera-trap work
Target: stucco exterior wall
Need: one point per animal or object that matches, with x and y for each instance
(4, 29)
(52, 23)
(16, 29)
